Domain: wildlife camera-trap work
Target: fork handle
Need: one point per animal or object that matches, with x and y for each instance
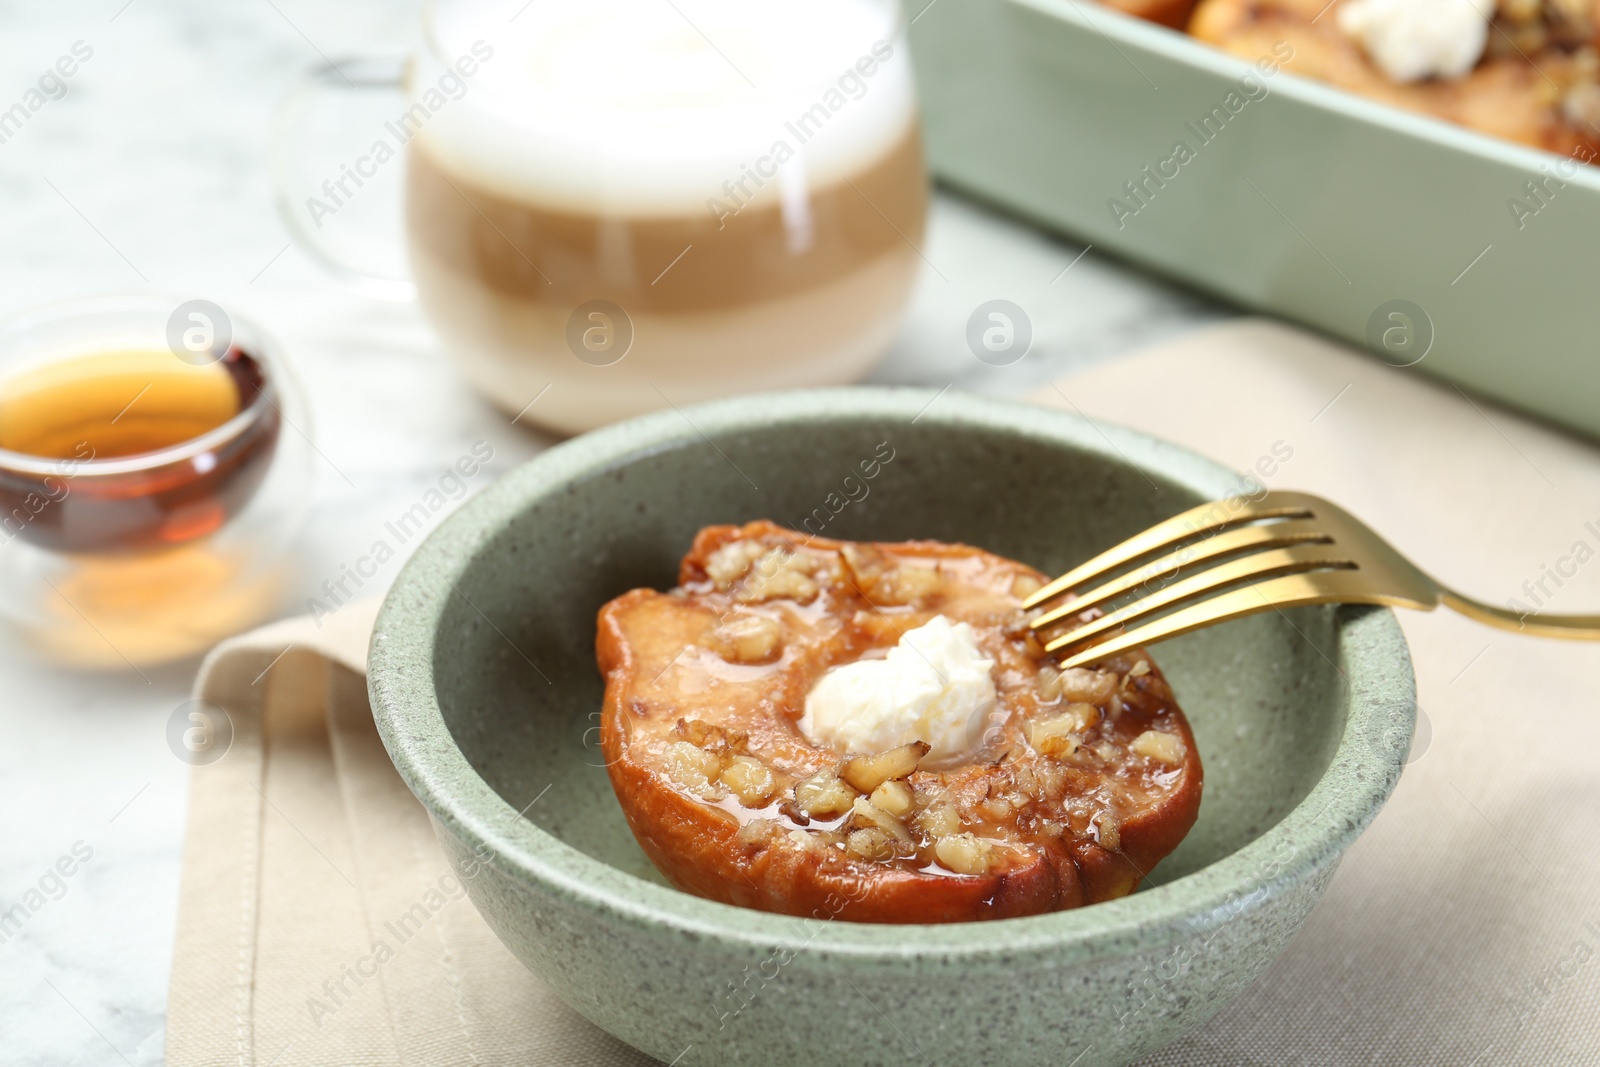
(1573, 627)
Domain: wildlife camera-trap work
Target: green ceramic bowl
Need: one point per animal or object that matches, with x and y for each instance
(484, 686)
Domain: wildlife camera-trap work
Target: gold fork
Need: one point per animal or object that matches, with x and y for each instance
(1280, 551)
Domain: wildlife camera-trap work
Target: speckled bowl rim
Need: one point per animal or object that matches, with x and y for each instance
(1380, 694)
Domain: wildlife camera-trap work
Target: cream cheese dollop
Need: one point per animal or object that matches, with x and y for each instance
(935, 686)
(1410, 40)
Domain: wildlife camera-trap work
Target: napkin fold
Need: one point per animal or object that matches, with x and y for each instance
(319, 923)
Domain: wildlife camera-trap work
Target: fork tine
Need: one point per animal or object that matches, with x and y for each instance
(1260, 565)
(1226, 543)
(1197, 520)
(1292, 590)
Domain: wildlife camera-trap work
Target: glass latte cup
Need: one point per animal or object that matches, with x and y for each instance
(613, 206)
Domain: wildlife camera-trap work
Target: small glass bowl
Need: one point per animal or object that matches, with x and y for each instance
(149, 557)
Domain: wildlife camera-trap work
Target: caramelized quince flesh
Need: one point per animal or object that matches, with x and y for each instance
(1078, 782)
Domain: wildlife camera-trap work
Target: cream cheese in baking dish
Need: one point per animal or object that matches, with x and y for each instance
(1411, 40)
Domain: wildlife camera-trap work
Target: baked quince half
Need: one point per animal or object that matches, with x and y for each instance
(1537, 82)
(871, 732)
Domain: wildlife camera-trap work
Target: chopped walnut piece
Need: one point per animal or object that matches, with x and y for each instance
(964, 853)
(782, 573)
(719, 741)
(1054, 740)
(694, 769)
(1049, 683)
(1161, 747)
(1058, 736)
(939, 820)
(823, 796)
(894, 797)
(1025, 585)
(1018, 627)
(750, 779)
(883, 583)
(867, 773)
(1027, 781)
(908, 585)
(791, 810)
(997, 809)
(758, 832)
(864, 563)
(1085, 715)
(864, 813)
(827, 838)
(748, 639)
(730, 562)
(1107, 831)
(1052, 778)
(1088, 687)
(871, 843)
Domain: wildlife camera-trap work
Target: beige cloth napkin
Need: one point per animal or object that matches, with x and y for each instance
(1462, 929)
(306, 853)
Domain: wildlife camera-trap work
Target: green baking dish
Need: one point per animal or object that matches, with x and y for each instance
(1394, 231)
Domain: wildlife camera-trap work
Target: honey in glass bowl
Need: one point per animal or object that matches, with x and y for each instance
(151, 495)
(132, 450)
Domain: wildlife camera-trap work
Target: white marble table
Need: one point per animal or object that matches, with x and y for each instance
(150, 174)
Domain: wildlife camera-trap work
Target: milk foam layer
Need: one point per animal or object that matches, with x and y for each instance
(645, 107)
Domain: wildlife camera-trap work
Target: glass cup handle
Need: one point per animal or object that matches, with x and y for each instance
(322, 93)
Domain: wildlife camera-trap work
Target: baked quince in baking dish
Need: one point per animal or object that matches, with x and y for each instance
(871, 732)
(1525, 70)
